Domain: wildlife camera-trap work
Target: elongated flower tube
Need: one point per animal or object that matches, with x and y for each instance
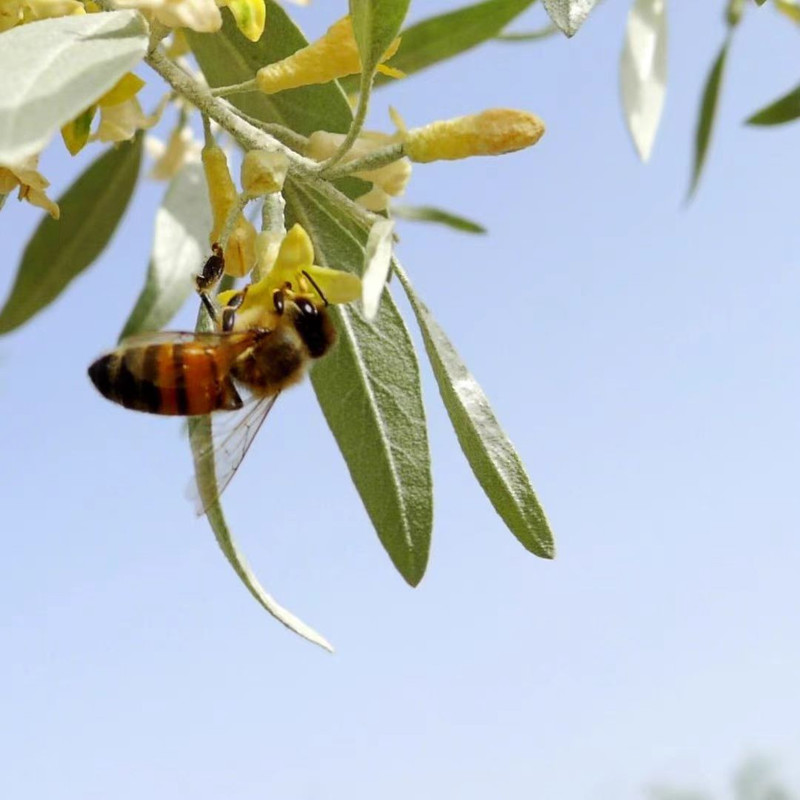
(490, 133)
(332, 56)
(240, 254)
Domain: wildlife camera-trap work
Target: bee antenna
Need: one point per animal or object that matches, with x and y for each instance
(316, 286)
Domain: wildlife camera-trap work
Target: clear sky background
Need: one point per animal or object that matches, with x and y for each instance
(642, 356)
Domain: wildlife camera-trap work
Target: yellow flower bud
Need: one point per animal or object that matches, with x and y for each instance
(263, 172)
(332, 56)
(490, 133)
(240, 253)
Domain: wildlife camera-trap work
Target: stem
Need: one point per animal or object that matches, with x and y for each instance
(3, 198)
(248, 136)
(296, 141)
(304, 169)
(355, 127)
(224, 91)
(373, 160)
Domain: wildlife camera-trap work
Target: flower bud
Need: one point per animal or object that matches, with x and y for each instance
(263, 172)
(332, 56)
(492, 132)
(240, 254)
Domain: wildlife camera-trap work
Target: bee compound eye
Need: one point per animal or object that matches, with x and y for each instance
(306, 307)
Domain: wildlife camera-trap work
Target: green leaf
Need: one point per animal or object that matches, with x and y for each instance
(438, 215)
(544, 32)
(569, 15)
(643, 72)
(376, 24)
(438, 38)
(226, 59)
(60, 250)
(54, 69)
(369, 391)
(708, 111)
(491, 455)
(200, 440)
(179, 244)
(784, 109)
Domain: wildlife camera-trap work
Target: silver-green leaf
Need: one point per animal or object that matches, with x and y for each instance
(707, 114)
(376, 24)
(200, 440)
(437, 215)
(60, 250)
(446, 35)
(53, 69)
(369, 391)
(784, 109)
(490, 454)
(569, 15)
(643, 72)
(180, 242)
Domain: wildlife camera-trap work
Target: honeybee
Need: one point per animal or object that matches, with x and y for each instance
(259, 348)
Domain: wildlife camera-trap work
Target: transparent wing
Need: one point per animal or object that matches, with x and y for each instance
(202, 339)
(231, 437)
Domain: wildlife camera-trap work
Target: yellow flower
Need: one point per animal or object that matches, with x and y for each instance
(14, 12)
(293, 268)
(199, 15)
(119, 122)
(388, 181)
(263, 172)
(31, 183)
(76, 133)
(490, 133)
(181, 148)
(240, 253)
(332, 56)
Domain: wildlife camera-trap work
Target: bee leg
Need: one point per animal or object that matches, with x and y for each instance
(212, 270)
(229, 312)
(208, 278)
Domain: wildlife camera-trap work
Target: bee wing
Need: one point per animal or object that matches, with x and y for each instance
(203, 339)
(231, 438)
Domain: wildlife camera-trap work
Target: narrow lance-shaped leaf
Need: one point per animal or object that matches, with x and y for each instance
(569, 15)
(491, 455)
(437, 215)
(376, 24)
(53, 69)
(441, 37)
(369, 390)
(60, 250)
(643, 72)
(377, 262)
(707, 114)
(784, 109)
(544, 32)
(180, 242)
(200, 441)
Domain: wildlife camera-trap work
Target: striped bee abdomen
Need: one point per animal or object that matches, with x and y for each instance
(181, 378)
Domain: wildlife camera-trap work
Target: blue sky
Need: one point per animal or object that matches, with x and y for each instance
(642, 356)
